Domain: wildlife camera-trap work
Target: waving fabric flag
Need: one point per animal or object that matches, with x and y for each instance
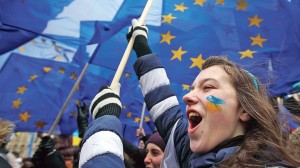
(12, 38)
(42, 47)
(65, 20)
(32, 92)
(258, 35)
(261, 36)
(75, 23)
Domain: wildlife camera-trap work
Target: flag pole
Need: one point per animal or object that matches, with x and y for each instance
(58, 117)
(126, 54)
(142, 115)
(116, 78)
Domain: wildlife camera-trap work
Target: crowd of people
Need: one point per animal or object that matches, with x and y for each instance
(230, 122)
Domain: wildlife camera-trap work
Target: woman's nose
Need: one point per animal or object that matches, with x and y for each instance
(190, 98)
(147, 159)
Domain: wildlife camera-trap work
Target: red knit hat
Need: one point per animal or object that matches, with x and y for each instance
(157, 140)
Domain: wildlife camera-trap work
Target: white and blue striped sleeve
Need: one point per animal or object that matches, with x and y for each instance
(102, 144)
(156, 88)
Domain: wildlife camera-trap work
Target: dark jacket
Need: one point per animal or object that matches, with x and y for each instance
(3, 159)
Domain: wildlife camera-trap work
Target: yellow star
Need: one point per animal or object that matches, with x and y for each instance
(137, 119)
(47, 69)
(21, 89)
(16, 103)
(58, 57)
(247, 53)
(255, 21)
(167, 37)
(129, 114)
(199, 61)
(62, 70)
(21, 49)
(180, 7)
(242, 5)
(185, 87)
(40, 124)
(32, 77)
(199, 2)
(123, 107)
(257, 40)
(25, 116)
(168, 18)
(220, 2)
(178, 53)
(127, 75)
(73, 76)
(147, 119)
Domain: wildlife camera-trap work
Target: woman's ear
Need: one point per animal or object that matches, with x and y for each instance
(245, 116)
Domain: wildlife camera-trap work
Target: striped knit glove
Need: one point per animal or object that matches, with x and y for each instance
(106, 102)
(139, 34)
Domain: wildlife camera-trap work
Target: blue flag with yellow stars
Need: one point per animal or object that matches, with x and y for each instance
(261, 36)
(33, 91)
(64, 20)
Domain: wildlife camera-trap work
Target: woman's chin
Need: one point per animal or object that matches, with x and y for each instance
(199, 147)
(196, 147)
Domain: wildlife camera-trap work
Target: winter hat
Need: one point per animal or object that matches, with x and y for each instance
(157, 140)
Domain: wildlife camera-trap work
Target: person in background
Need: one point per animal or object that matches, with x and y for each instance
(27, 163)
(155, 148)
(82, 124)
(136, 154)
(143, 137)
(6, 129)
(14, 159)
(63, 145)
(82, 117)
(46, 156)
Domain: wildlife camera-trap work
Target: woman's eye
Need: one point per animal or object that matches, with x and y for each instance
(155, 153)
(206, 87)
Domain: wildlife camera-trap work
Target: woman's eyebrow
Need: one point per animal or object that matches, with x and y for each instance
(205, 80)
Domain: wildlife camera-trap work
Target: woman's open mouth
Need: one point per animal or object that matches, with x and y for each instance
(194, 119)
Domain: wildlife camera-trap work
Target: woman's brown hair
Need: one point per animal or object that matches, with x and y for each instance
(264, 142)
(6, 127)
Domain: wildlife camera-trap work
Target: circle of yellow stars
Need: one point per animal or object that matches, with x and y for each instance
(198, 61)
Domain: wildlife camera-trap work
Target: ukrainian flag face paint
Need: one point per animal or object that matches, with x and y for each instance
(214, 104)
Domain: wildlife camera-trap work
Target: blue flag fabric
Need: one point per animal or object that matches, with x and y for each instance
(12, 38)
(261, 36)
(65, 20)
(33, 91)
(30, 15)
(42, 47)
(72, 23)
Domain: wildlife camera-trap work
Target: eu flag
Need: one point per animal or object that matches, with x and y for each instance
(261, 36)
(32, 92)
